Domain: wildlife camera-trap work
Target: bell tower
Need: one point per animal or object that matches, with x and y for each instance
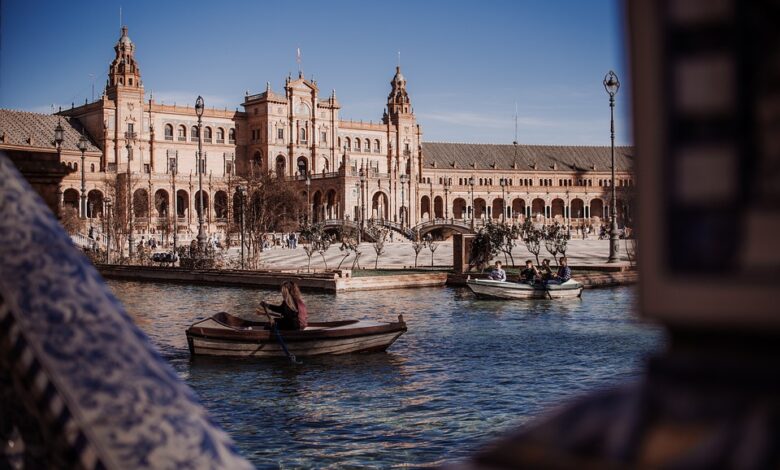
(398, 100)
(123, 74)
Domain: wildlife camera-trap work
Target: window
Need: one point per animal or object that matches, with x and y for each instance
(232, 136)
(168, 132)
(92, 167)
(368, 145)
(280, 134)
(377, 146)
(182, 133)
(229, 167)
(76, 166)
(357, 145)
(202, 165)
(130, 128)
(220, 135)
(303, 135)
(324, 137)
(147, 168)
(207, 134)
(194, 134)
(172, 166)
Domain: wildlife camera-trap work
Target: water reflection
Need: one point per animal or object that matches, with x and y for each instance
(466, 369)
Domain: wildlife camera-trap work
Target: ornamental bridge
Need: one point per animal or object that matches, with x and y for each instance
(423, 228)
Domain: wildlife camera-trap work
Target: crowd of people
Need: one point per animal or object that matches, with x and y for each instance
(532, 274)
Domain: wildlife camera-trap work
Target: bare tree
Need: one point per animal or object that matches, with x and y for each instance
(431, 246)
(418, 243)
(379, 236)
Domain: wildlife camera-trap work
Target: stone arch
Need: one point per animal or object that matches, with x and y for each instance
(302, 166)
(425, 207)
(141, 203)
(577, 209)
(182, 203)
(94, 203)
(558, 209)
(597, 209)
(459, 208)
(498, 208)
(331, 204)
(538, 208)
(438, 207)
(324, 164)
(221, 205)
(317, 208)
(379, 205)
(479, 208)
(161, 203)
(518, 207)
(205, 204)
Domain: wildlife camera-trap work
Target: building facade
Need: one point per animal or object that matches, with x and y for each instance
(347, 170)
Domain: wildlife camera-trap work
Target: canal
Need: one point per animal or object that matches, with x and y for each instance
(466, 370)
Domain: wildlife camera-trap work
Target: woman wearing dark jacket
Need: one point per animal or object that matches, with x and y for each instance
(292, 308)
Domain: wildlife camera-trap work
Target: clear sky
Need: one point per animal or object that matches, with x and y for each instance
(466, 62)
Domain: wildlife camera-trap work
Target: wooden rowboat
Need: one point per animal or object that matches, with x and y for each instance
(513, 290)
(226, 335)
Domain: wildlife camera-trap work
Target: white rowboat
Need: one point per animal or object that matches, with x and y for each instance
(514, 290)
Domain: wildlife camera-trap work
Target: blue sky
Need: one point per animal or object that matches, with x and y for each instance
(466, 62)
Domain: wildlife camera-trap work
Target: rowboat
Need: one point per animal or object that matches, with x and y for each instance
(226, 335)
(513, 290)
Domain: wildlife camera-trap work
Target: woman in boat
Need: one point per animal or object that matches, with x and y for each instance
(292, 308)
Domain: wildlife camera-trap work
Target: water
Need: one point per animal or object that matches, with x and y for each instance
(466, 370)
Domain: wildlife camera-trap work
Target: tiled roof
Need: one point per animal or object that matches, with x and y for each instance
(528, 157)
(36, 130)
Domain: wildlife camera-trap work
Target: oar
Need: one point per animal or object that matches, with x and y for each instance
(290, 355)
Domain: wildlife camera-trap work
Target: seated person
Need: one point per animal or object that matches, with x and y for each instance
(292, 308)
(564, 271)
(545, 271)
(530, 273)
(497, 274)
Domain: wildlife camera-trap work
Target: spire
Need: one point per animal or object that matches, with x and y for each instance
(124, 71)
(398, 101)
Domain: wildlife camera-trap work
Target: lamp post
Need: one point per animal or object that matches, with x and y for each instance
(241, 196)
(308, 199)
(107, 202)
(446, 198)
(82, 145)
(173, 169)
(201, 232)
(611, 85)
(362, 202)
(129, 200)
(471, 190)
(404, 178)
(59, 137)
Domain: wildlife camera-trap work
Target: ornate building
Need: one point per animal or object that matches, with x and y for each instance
(347, 170)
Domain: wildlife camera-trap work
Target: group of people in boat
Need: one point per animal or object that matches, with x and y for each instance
(531, 274)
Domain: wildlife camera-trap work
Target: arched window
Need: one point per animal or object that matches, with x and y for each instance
(368, 145)
(232, 136)
(207, 134)
(182, 133)
(194, 134)
(357, 144)
(220, 135)
(303, 135)
(168, 132)
(76, 166)
(377, 146)
(92, 167)
(348, 142)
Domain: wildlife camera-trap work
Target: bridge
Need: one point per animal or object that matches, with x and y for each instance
(423, 228)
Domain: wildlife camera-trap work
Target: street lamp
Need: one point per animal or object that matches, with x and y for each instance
(471, 190)
(362, 202)
(611, 85)
(446, 198)
(107, 202)
(173, 169)
(241, 196)
(82, 145)
(201, 231)
(59, 137)
(404, 179)
(503, 182)
(308, 198)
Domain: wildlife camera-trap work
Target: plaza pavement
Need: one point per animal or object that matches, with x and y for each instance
(399, 254)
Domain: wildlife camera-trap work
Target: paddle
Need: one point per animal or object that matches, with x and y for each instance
(271, 319)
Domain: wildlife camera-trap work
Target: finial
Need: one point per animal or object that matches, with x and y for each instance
(268, 87)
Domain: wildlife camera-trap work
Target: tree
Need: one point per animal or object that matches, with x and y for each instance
(379, 236)
(317, 241)
(348, 246)
(483, 249)
(418, 243)
(273, 205)
(532, 238)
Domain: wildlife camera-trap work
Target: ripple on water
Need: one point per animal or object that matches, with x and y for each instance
(465, 370)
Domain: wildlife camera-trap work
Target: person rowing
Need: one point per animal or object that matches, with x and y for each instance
(293, 311)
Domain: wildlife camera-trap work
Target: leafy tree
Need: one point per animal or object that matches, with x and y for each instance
(532, 238)
(483, 249)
